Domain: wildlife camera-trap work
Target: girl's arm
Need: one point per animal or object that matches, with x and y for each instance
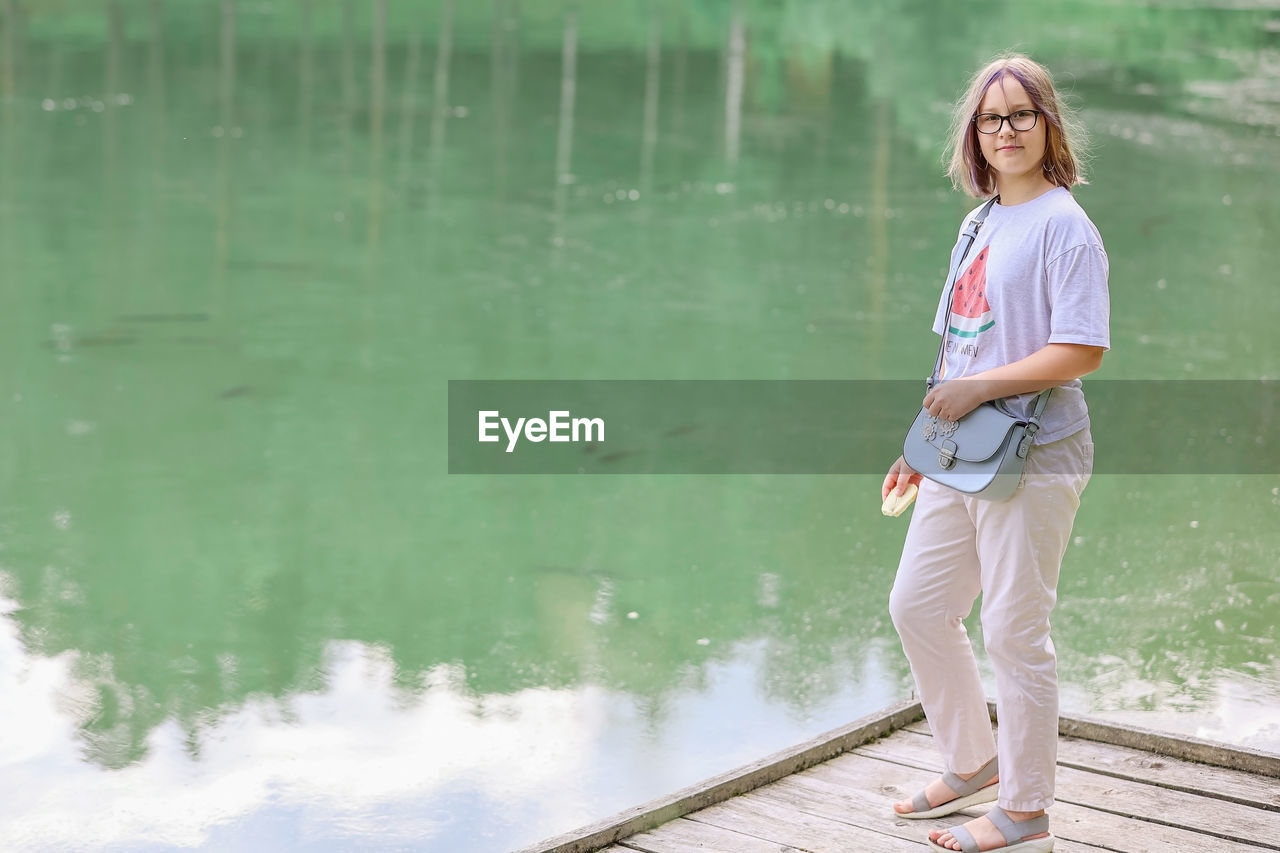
(1045, 368)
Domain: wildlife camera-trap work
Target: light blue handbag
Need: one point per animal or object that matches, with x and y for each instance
(984, 453)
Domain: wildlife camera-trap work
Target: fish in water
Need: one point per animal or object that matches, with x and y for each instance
(237, 391)
(106, 339)
(274, 266)
(195, 317)
(618, 454)
(1149, 225)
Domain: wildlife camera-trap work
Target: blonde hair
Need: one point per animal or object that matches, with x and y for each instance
(1065, 138)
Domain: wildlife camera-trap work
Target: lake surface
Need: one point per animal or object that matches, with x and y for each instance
(244, 246)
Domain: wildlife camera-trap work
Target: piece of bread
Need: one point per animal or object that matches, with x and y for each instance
(896, 504)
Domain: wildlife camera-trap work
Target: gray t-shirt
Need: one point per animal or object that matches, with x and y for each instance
(1036, 275)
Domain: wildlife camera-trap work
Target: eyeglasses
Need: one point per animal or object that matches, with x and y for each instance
(1019, 121)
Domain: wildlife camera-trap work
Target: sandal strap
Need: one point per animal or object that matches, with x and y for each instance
(965, 837)
(965, 787)
(1016, 830)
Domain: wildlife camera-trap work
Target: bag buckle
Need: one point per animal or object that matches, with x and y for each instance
(947, 455)
(1024, 446)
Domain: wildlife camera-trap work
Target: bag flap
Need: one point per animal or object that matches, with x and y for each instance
(980, 434)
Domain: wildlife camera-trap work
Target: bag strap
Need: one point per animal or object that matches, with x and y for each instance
(967, 237)
(970, 234)
(1033, 425)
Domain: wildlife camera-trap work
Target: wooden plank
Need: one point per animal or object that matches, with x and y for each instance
(685, 836)
(735, 782)
(1206, 752)
(1165, 771)
(1119, 796)
(778, 821)
(1148, 740)
(865, 802)
(1185, 748)
(1178, 774)
(1215, 780)
(1167, 807)
(1077, 827)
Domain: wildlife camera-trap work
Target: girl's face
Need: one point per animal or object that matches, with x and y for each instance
(1013, 154)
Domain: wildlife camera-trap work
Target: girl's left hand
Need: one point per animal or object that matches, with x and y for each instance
(953, 400)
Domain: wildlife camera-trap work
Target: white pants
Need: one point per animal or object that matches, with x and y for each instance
(1011, 552)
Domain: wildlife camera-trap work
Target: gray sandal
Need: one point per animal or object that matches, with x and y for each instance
(1014, 831)
(969, 792)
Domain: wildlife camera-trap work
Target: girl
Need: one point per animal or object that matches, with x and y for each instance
(1035, 316)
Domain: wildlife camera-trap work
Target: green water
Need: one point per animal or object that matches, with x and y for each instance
(244, 246)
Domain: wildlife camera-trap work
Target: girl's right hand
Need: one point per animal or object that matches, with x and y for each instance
(900, 474)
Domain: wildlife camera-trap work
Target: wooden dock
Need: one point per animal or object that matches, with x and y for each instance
(1119, 789)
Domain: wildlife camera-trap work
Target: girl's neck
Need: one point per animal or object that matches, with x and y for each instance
(1020, 191)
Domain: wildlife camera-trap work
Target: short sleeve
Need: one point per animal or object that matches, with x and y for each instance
(1080, 304)
(940, 315)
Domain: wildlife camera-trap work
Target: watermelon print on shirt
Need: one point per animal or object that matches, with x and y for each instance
(970, 311)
